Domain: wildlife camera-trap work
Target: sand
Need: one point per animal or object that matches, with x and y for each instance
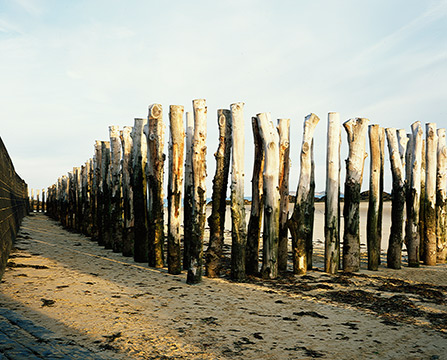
(125, 310)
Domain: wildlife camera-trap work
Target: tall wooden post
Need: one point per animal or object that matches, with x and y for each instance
(128, 215)
(408, 165)
(394, 253)
(414, 196)
(155, 143)
(37, 200)
(298, 224)
(216, 220)
(309, 220)
(255, 221)
(31, 200)
(238, 228)
(188, 192)
(373, 243)
(106, 232)
(139, 188)
(441, 198)
(382, 137)
(284, 168)
(115, 191)
(332, 202)
(430, 195)
(96, 192)
(422, 203)
(356, 133)
(270, 140)
(43, 201)
(175, 180)
(199, 192)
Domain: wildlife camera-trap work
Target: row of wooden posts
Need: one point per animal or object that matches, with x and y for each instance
(117, 196)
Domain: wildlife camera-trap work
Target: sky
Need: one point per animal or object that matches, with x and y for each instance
(69, 69)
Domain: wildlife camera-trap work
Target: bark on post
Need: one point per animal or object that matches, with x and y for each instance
(175, 180)
(106, 233)
(139, 187)
(270, 140)
(255, 221)
(155, 143)
(441, 198)
(430, 195)
(332, 202)
(298, 224)
(394, 253)
(188, 192)
(356, 133)
(128, 215)
(115, 191)
(284, 168)
(238, 228)
(373, 244)
(199, 193)
(216, 220)
(414, 196)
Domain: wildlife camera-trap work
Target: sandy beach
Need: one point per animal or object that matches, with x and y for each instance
(126, 310)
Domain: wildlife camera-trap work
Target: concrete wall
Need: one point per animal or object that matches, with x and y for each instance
(13, 205)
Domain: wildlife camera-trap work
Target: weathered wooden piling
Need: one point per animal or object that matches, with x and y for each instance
(139, 188)
(299, 223)
(414, 196)
(155, 143)
(175, 181)
(106, 231)
(270, 238)
(255, 220)
(356, 132)
(382, 137)
(199, 193)
(96, 192)
(116, 212)
(373, 244)
(394, 253)
(238, 227)
(284, 168)
(422, 203)
(441, 198)
(216, 220)
(128, 213)
(37, 200)
(188, 191)
(332, 201)
(430, 195)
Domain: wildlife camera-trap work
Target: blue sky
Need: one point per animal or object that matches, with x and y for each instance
(69, 69)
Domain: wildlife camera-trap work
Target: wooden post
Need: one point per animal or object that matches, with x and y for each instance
(382, 137)
(332, 202)
(422, 203)
(441, 198)
(394, 253)
(115, 191)
(139, 188)
(373, 243)
(83, 198)
(356, 133)
(43, 201)
(270, 140)
(188, 192)
(284, 168)
(408, 165)
(128, 215)
(414, 196)
(238, 228)
(175, 180)
(298, 224)
(309, 220)
(96, 192)
(199, 192)
(255, 221)
(106, 232)
(216, 220)
(430, 194)
(37, 200)
(155, 143)
(31, 200)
